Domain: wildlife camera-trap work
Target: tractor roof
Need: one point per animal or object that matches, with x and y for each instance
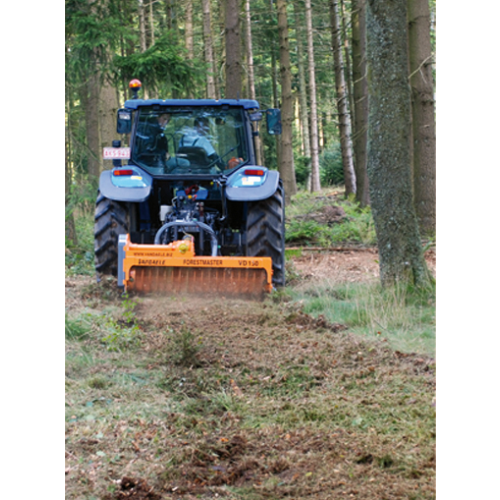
(244, 103)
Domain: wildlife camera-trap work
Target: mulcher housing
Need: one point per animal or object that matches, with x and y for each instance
(191, 210)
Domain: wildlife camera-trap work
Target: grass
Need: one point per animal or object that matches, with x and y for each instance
(80, 257)
(404, 317)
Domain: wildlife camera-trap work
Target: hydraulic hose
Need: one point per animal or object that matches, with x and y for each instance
(192, 223)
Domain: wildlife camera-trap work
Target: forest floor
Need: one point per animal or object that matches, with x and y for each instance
(224, 398)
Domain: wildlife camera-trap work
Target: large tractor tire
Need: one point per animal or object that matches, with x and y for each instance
(111, 220)
(266, 232)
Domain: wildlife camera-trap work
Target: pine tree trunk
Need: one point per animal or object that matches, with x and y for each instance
(347, 59)
(315, 180)
(233, 50)
(108, 106)
(251, 77)
(423, 115)
(70, 229)
(126, 45)
(209, 53)
(189, 28)
(274, 80)
(142, 37)
(342, 102)
(151, 24)
(304, 116)
(171, 16)
(220, 54)
(286, 166)
(90, 100)
(324, 139)
(142, 25)
(360, 98)
(303, 110)
(389, 162)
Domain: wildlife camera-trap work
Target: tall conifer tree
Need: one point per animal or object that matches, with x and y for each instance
(389, 142)
(423, 114)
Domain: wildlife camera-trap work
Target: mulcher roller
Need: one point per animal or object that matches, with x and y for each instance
(175, 269)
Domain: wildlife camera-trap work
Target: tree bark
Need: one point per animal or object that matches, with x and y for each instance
(189, 28)
(347, 59)
(151, 24)
(142, 25)
(90, 100)
(70, 229)
(209, 51)
(303, 108)
(233, 50)
(423, 115)
(171, 15)
(360, 98)
(142, 37)
(389, 162)
(304, 116)
(108, 106)
(286, 166)
(342, 101)
(274, 79)
(220, 54)
(315, 180)
(251, 77)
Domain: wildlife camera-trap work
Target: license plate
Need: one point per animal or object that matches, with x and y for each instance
(112, 153)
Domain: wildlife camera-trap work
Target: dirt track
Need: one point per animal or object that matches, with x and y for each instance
(265, 402)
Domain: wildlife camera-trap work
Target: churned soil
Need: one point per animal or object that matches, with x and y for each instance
(225, 398)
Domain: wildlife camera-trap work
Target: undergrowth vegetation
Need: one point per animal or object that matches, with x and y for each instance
(402, 316)
(80, 253)
(328, 220)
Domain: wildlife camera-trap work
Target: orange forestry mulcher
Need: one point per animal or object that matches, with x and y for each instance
(174, 268)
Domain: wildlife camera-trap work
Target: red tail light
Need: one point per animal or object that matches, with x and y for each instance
(125, 171)
(254, 171)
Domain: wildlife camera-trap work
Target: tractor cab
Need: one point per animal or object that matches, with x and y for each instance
(179, 139)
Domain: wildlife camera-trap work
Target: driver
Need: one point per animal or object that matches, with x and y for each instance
(160, 142)
(154, 145)
(154, 142)
(198, 137)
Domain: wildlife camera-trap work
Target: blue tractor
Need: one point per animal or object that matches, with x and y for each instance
(190, 208)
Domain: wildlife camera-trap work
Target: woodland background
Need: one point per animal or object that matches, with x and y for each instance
(339, 70)
(467, 140)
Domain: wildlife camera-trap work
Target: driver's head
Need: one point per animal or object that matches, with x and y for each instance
(163, 119)
(202, 125)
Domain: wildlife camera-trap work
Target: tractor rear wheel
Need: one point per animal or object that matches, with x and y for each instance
(111, 220)
(266, 232)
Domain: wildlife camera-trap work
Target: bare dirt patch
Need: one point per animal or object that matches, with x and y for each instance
(345, 266)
